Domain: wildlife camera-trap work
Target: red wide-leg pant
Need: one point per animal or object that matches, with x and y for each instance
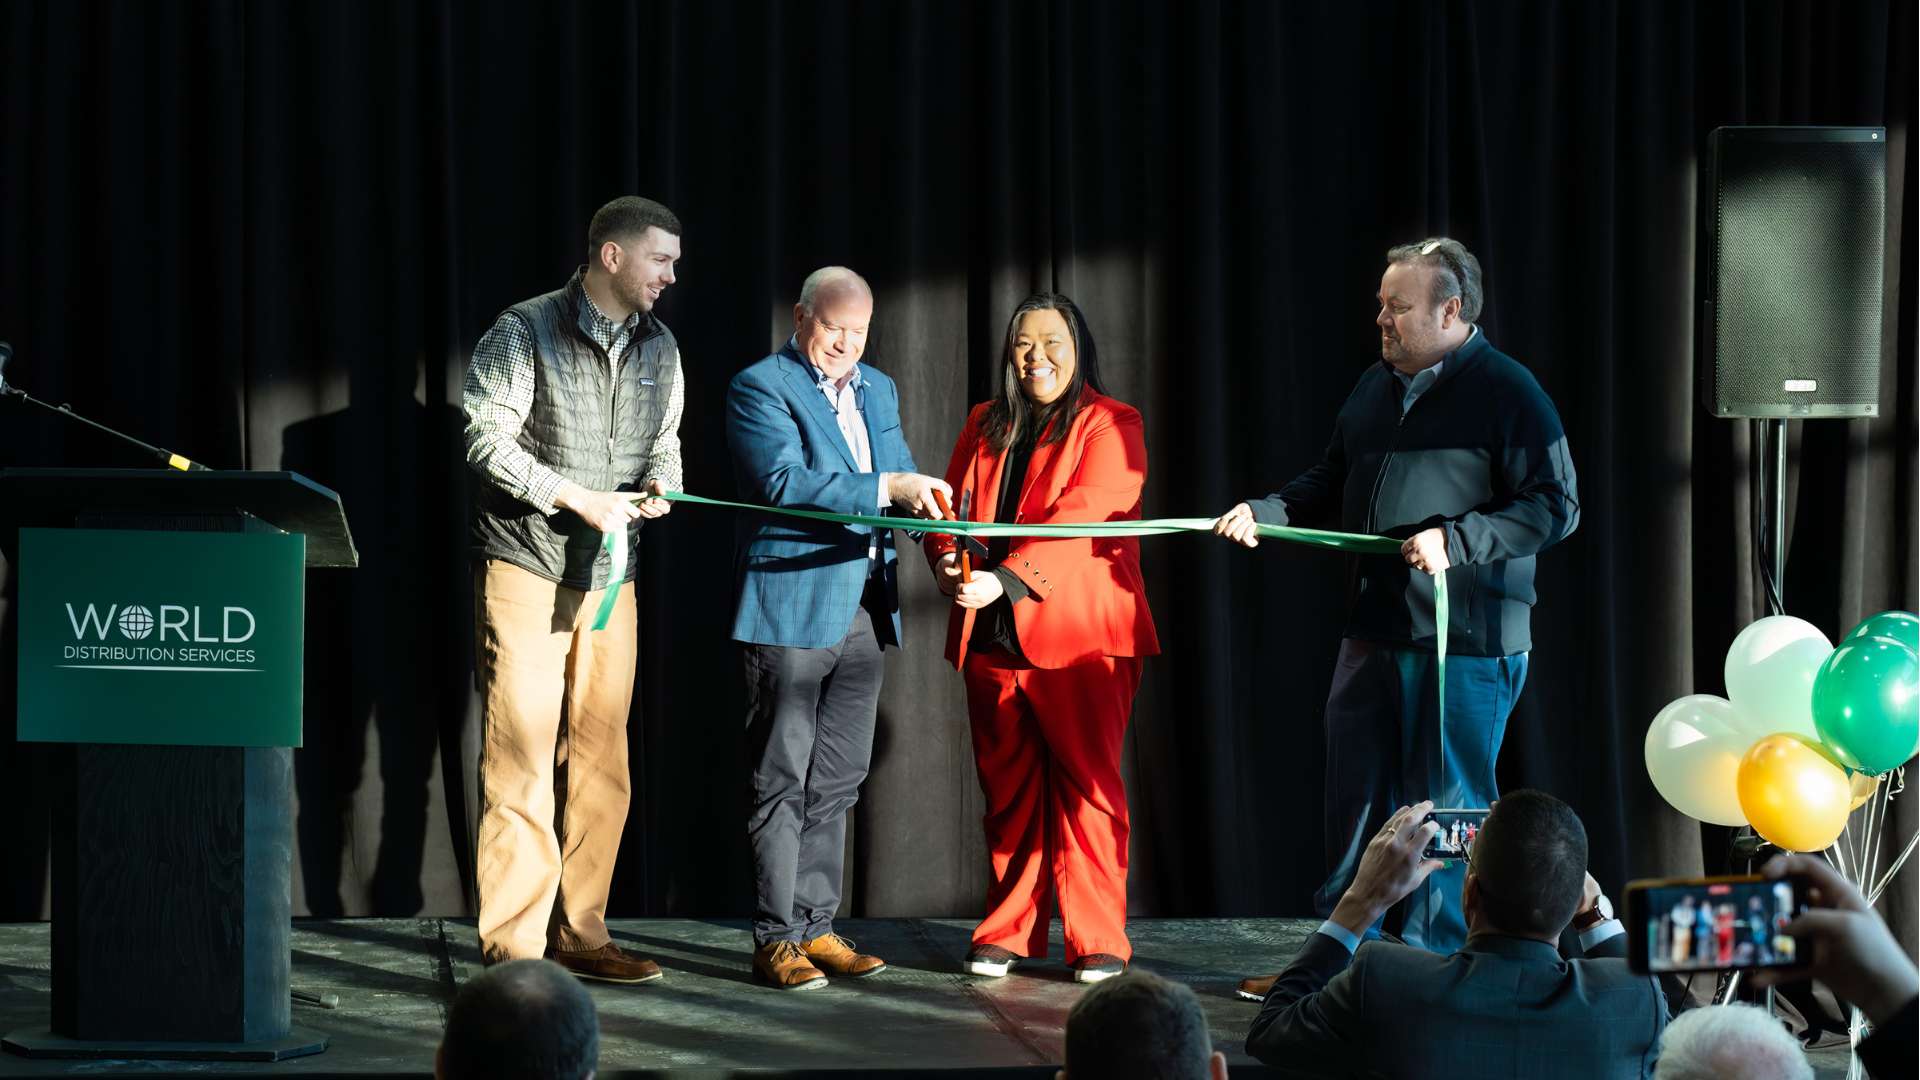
(1047, 745)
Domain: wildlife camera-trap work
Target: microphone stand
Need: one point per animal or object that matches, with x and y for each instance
(167, 457)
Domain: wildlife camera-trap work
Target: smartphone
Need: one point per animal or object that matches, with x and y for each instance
(1458, 828)
(1713, 923)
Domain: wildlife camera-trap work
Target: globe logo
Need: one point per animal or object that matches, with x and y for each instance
(136, 622)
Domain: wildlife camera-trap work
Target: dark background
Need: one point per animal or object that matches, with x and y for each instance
(268, 235)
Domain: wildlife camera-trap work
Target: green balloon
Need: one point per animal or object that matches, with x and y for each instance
(1866, 703)
(1901, 626)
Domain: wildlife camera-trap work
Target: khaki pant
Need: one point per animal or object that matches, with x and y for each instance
(553, 790)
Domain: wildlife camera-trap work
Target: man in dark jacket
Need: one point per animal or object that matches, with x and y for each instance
(573, 401)
(1507, 1005)
(1451, 445)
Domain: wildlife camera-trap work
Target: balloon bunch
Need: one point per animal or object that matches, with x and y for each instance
(1805, 736)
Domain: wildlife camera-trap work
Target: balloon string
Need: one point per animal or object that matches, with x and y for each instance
(1894, 870)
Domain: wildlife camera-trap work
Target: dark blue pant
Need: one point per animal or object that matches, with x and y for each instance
(810, 723)
(1385, 750)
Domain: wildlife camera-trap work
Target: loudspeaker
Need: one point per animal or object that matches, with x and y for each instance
(1797, 231)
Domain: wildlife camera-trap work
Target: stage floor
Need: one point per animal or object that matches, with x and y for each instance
(396, 977)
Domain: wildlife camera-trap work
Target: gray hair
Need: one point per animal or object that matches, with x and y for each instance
(828, 278)
(1730, 1040)
(1455, 271)
(1138, 1026)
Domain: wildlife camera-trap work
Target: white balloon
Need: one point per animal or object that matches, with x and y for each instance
(1693, 756)
(1770, 670)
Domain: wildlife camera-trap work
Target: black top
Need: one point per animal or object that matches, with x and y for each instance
(994, 628)
(1482, 456)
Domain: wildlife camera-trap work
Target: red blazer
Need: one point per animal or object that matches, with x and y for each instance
(1086, 598)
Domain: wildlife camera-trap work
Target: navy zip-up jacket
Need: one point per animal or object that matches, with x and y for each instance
(1482, 455)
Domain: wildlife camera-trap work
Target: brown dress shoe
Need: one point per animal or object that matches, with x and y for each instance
(833, 953)
(784, 965)
(608, 964)
(1257, 988)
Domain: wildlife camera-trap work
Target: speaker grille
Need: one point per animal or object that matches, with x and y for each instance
(1799, 233)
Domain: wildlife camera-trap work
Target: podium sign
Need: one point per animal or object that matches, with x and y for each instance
(127, 635)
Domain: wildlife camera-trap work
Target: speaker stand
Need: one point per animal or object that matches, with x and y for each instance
(1770, 523)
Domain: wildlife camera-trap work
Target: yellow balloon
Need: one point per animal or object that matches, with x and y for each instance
(1793, 795)
(1863, 785)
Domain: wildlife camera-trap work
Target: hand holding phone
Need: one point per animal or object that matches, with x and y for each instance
(1846, 943)
(1458, 829)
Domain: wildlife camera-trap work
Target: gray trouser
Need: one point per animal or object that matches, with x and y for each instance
(810, 719)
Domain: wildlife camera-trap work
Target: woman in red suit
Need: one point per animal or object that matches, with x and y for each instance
(1049, 635)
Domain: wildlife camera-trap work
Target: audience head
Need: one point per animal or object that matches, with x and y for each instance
(527, 1019)
(1139, 1026)
(1730, 1040)
(1528, 865)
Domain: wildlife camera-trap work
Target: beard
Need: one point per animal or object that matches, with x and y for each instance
(632, 293)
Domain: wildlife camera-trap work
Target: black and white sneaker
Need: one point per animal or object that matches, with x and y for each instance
(1098, 966)
(991, 961)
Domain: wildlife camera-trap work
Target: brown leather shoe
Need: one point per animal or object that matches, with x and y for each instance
(783, 964)
(608, 964)
(833, 953)
(1257, 988)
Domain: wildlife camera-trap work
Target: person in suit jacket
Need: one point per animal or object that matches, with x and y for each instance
(1507, 1004)
(1049, 634)
(812, 428)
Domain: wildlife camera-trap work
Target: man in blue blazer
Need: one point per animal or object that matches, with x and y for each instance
(811, 428)
(1507, 1004)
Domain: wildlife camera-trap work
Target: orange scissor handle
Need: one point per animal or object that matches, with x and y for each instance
(966, 560)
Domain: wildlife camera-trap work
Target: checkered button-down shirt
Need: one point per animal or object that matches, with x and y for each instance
(498, 395)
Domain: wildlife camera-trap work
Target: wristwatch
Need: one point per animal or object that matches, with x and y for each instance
(1600, 912)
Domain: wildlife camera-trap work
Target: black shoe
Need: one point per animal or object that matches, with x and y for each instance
(1098, 966)
(990, 960)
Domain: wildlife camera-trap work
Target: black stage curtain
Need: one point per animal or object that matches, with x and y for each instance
(267, 235)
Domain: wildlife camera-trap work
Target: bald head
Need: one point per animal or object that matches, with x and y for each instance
(831, 283)
(830, 321)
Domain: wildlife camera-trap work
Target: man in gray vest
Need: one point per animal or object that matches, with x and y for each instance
(573, 400)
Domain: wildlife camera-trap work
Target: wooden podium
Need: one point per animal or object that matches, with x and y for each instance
(160, 636)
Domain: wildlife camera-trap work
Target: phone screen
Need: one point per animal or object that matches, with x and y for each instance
(1458, 829)
(1713, 924)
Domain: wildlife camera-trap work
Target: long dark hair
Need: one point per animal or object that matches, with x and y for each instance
(1013, 416)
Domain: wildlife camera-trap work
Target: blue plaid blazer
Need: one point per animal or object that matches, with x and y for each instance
(798, 583)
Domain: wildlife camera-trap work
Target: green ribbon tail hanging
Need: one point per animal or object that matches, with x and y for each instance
(1440, 615)
(615, 545)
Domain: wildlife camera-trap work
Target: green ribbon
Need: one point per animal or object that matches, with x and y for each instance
(1361, 543)
(615, 545)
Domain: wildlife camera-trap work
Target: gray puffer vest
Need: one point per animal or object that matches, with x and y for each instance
(588, 425)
